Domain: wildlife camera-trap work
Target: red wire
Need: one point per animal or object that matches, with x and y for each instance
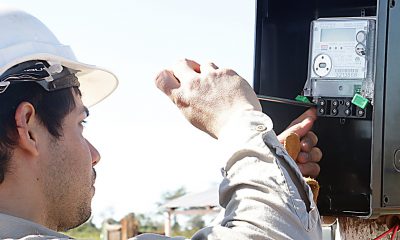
(385, 233)
(396, 228)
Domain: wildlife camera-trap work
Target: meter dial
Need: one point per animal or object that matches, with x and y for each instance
(322, 65)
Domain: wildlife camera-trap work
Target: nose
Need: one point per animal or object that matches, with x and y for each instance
(94, 154)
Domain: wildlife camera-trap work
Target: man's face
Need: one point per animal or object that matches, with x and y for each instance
(68, 173)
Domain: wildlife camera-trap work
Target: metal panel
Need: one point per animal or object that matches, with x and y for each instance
(391, 160)
(281, 60)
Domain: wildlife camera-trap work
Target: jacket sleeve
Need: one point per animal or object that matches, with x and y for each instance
(262, 193)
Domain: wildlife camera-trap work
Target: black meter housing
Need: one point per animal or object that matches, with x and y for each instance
(360, 168)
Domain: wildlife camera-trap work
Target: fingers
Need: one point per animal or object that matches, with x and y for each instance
(207, 68)
(308, 158)
(308, 162)
(207, 101)
(309, 169)
(310, 113)
(301, 129)
(186, 70)
(166, 82)
(314, 155)
(169, 80)
(309, 141)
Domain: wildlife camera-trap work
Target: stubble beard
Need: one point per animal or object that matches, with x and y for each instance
(68, 200)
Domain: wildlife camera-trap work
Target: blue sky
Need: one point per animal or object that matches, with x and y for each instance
(147, 146)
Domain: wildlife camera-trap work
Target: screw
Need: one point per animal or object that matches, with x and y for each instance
(397, 160)
(386, 199)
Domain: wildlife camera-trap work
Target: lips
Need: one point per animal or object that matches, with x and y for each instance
(94, 175)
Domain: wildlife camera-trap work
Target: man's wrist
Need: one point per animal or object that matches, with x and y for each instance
(245, 130)
(242, 125)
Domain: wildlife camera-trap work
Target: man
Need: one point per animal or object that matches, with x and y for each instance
(47, 166)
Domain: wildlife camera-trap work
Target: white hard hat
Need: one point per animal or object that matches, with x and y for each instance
(24, 38)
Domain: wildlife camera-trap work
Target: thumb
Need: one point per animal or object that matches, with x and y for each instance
(301, 128)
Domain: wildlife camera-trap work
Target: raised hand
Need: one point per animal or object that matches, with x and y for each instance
(207, 96)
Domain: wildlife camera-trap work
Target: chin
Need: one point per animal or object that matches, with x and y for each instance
(76, 218)
(82, 219)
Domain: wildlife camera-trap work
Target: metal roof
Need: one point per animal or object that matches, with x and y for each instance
(208, 198)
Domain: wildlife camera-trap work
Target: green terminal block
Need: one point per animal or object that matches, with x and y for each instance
(359, 101)
(304, 99)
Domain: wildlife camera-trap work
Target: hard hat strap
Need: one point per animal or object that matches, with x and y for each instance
(51, 78)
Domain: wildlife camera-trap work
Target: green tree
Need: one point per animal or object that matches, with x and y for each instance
(146, 224)
(170, 195)
(196, 223)
(86, 231)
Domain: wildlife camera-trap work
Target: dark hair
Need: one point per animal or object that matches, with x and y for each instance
(51, 109)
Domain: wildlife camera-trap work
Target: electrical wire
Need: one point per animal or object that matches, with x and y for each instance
(393, 231)
(384, 234)
(396, 228)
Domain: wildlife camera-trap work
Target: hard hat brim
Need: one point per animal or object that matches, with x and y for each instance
(95, 83)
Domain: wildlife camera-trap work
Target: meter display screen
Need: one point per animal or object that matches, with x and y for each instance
(338, 34)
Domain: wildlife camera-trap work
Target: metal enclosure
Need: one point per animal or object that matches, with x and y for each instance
(360, 168)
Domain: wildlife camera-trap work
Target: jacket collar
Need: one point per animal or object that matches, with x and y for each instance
(14, 228)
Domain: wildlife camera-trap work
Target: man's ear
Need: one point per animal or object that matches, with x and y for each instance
(27, 125)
